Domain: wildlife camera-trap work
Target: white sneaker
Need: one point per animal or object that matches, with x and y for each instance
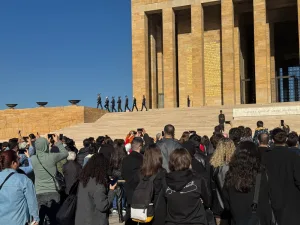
(114, 211)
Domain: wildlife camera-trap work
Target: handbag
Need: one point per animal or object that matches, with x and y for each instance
(59, 180)
(66, 213)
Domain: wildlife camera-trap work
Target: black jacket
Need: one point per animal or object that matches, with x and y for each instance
(82, 154)
(239, 204)
(181, 199)
(131, 166)
(283, 168)
(71, 171)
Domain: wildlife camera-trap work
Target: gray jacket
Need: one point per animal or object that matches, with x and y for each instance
(94, 201)
(167, 146)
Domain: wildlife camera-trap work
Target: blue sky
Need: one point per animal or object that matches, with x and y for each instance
(56, 50)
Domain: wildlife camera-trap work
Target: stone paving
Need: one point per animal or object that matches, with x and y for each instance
(114, 220)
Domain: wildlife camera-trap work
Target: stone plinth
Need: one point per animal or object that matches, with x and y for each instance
(44, 120)
(266, 111)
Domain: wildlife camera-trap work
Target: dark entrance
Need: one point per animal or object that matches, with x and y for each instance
(287, 79)
(247, 59)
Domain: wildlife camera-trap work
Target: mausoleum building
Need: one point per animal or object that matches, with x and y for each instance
(218, 52)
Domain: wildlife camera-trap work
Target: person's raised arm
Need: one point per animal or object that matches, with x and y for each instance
(62, 154)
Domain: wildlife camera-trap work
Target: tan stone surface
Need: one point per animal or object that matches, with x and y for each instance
(44, 120)
(197, 23)
(228, 69)
(169, 58)
(212, 56)
(140, 63)
(237, 63)
(260, 46)
(184, 57)
(201, 119)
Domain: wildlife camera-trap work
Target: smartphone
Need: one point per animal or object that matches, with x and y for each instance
(227, 122)
(113, 182)
(61, 136)
(50, 136)
(282, 123)
(163, 133)
(22, 151)
(140, 130)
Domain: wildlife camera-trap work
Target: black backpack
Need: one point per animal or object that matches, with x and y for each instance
(142, 207)
(66, 213)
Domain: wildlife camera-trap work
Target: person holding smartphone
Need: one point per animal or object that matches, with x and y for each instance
(95, 194)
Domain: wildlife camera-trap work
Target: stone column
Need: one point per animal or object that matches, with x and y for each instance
(169, 50)
(237, 64)
(140, 58)
(153, 63)
(272, 64)
(159, 64)
(227, 21)
(260, 49)
(197, 25)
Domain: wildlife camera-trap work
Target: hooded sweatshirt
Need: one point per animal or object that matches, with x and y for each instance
(44, 183)
(184, 195)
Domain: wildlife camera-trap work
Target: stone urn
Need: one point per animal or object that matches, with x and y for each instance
(74, 102)
(42, 104)
(11, 106)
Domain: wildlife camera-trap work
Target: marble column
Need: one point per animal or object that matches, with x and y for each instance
(169, 55)
(228, 69)
(197, 24)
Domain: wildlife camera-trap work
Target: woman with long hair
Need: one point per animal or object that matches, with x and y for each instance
(219, 167)
(116, 160)
(240, 186)
(152, 166)
(17, 194)
(184, 137)
(94, 196)
(185, 194)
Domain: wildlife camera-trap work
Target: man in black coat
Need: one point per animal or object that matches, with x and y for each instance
(99, 101)
(71, 171)
(131, 166)
(144, 103)
(283, 169)
(127, 104)
(106, 106)
(119, 104)
(221, 120)
(134, 104)
(113, 104)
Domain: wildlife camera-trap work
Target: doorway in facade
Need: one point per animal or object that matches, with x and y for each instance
(247, 59)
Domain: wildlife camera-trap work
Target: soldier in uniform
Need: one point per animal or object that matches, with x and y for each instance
(113, 103)
(221, 120)
(188, 101)
(134, 104)
(99, 101)
(106, 106)
(144, 103)
(119, 104)
(127, 104)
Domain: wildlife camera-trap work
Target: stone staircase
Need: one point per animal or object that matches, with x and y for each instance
(201, 119)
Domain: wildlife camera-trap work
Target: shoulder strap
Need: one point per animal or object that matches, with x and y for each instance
(44, 167)
(9, 175)
(256, 192)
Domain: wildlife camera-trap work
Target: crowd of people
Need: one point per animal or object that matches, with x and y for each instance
(239, 178)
